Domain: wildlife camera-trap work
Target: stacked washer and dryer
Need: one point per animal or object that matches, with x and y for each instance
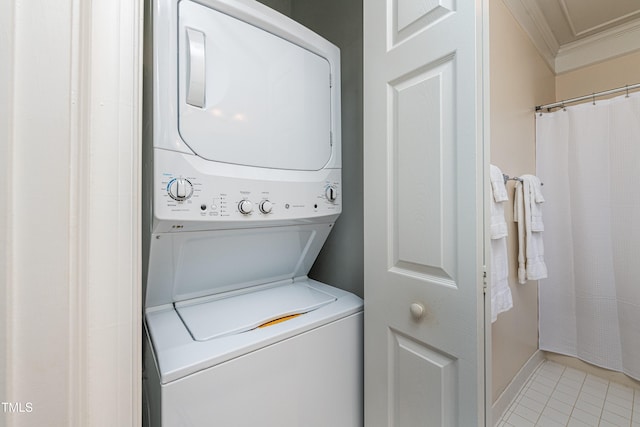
(242, 161)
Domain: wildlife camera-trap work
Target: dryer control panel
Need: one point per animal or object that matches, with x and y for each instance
(185, 192)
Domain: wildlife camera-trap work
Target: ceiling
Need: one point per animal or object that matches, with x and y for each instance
(572, 20)
(574, 33)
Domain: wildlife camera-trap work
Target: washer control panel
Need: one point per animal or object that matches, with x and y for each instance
(181, 195)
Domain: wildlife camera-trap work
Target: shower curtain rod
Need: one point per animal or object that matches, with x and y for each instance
(593, 96)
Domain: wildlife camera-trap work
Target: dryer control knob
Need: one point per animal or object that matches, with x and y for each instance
(266, 206)
(245, 207)
(331, 193)
(180, 189)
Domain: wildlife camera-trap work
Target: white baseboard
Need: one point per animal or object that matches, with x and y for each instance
(519, 380)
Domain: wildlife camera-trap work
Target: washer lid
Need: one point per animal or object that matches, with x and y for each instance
(247, 311)
(249, 97)
(193, 265)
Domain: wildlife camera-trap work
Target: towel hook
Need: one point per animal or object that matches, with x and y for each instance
(593, 97)
(627, 89)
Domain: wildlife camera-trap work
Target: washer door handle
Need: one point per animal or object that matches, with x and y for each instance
(196, 68)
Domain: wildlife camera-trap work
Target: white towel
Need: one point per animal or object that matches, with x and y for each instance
(500, 292)
(501, 300)
(535, 193)
(497, 184)
(531, 265)
(498, 225)
(518, 216)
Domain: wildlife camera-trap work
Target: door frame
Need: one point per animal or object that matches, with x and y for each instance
(486, 145)
(70, 245)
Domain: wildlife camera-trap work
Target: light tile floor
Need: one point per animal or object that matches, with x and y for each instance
(556, 395)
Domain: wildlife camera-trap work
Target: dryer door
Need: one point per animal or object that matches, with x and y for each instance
(249, 97)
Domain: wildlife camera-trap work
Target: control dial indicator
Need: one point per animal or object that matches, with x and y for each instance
(331, 193)
(245, 207)
(180, 189)
(266, 206)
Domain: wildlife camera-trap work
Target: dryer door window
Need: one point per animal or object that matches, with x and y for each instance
(249, 97)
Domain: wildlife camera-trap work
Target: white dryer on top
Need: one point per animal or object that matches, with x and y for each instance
(249, 114)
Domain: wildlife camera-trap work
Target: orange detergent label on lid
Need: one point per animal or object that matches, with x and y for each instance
(279, 320)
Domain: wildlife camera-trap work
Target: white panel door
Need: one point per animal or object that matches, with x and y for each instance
(424, 315)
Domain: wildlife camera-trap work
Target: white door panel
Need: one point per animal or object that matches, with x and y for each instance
(423, 224)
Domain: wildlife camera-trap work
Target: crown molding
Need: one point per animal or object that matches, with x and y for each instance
(618, 41)
(532, 21)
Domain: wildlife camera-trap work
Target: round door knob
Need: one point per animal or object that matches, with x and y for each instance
(180, 189)
(266, 206)
(417, 310)
(245, 207)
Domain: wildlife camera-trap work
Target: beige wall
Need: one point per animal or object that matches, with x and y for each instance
(617, 72)
(520, 79)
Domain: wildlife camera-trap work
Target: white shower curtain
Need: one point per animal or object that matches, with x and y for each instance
(588, 158)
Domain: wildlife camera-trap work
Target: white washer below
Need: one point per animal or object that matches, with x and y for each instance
(211, 365)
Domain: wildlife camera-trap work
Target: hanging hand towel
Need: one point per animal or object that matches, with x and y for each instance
(531, 263)
(498, 226)
(518, 216)
(497, 184)
(535, 192)
(501, 299)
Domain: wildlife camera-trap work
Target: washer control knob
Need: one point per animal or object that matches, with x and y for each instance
(331, 193)
(245, 207)
(266, 206)
(180, 189)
